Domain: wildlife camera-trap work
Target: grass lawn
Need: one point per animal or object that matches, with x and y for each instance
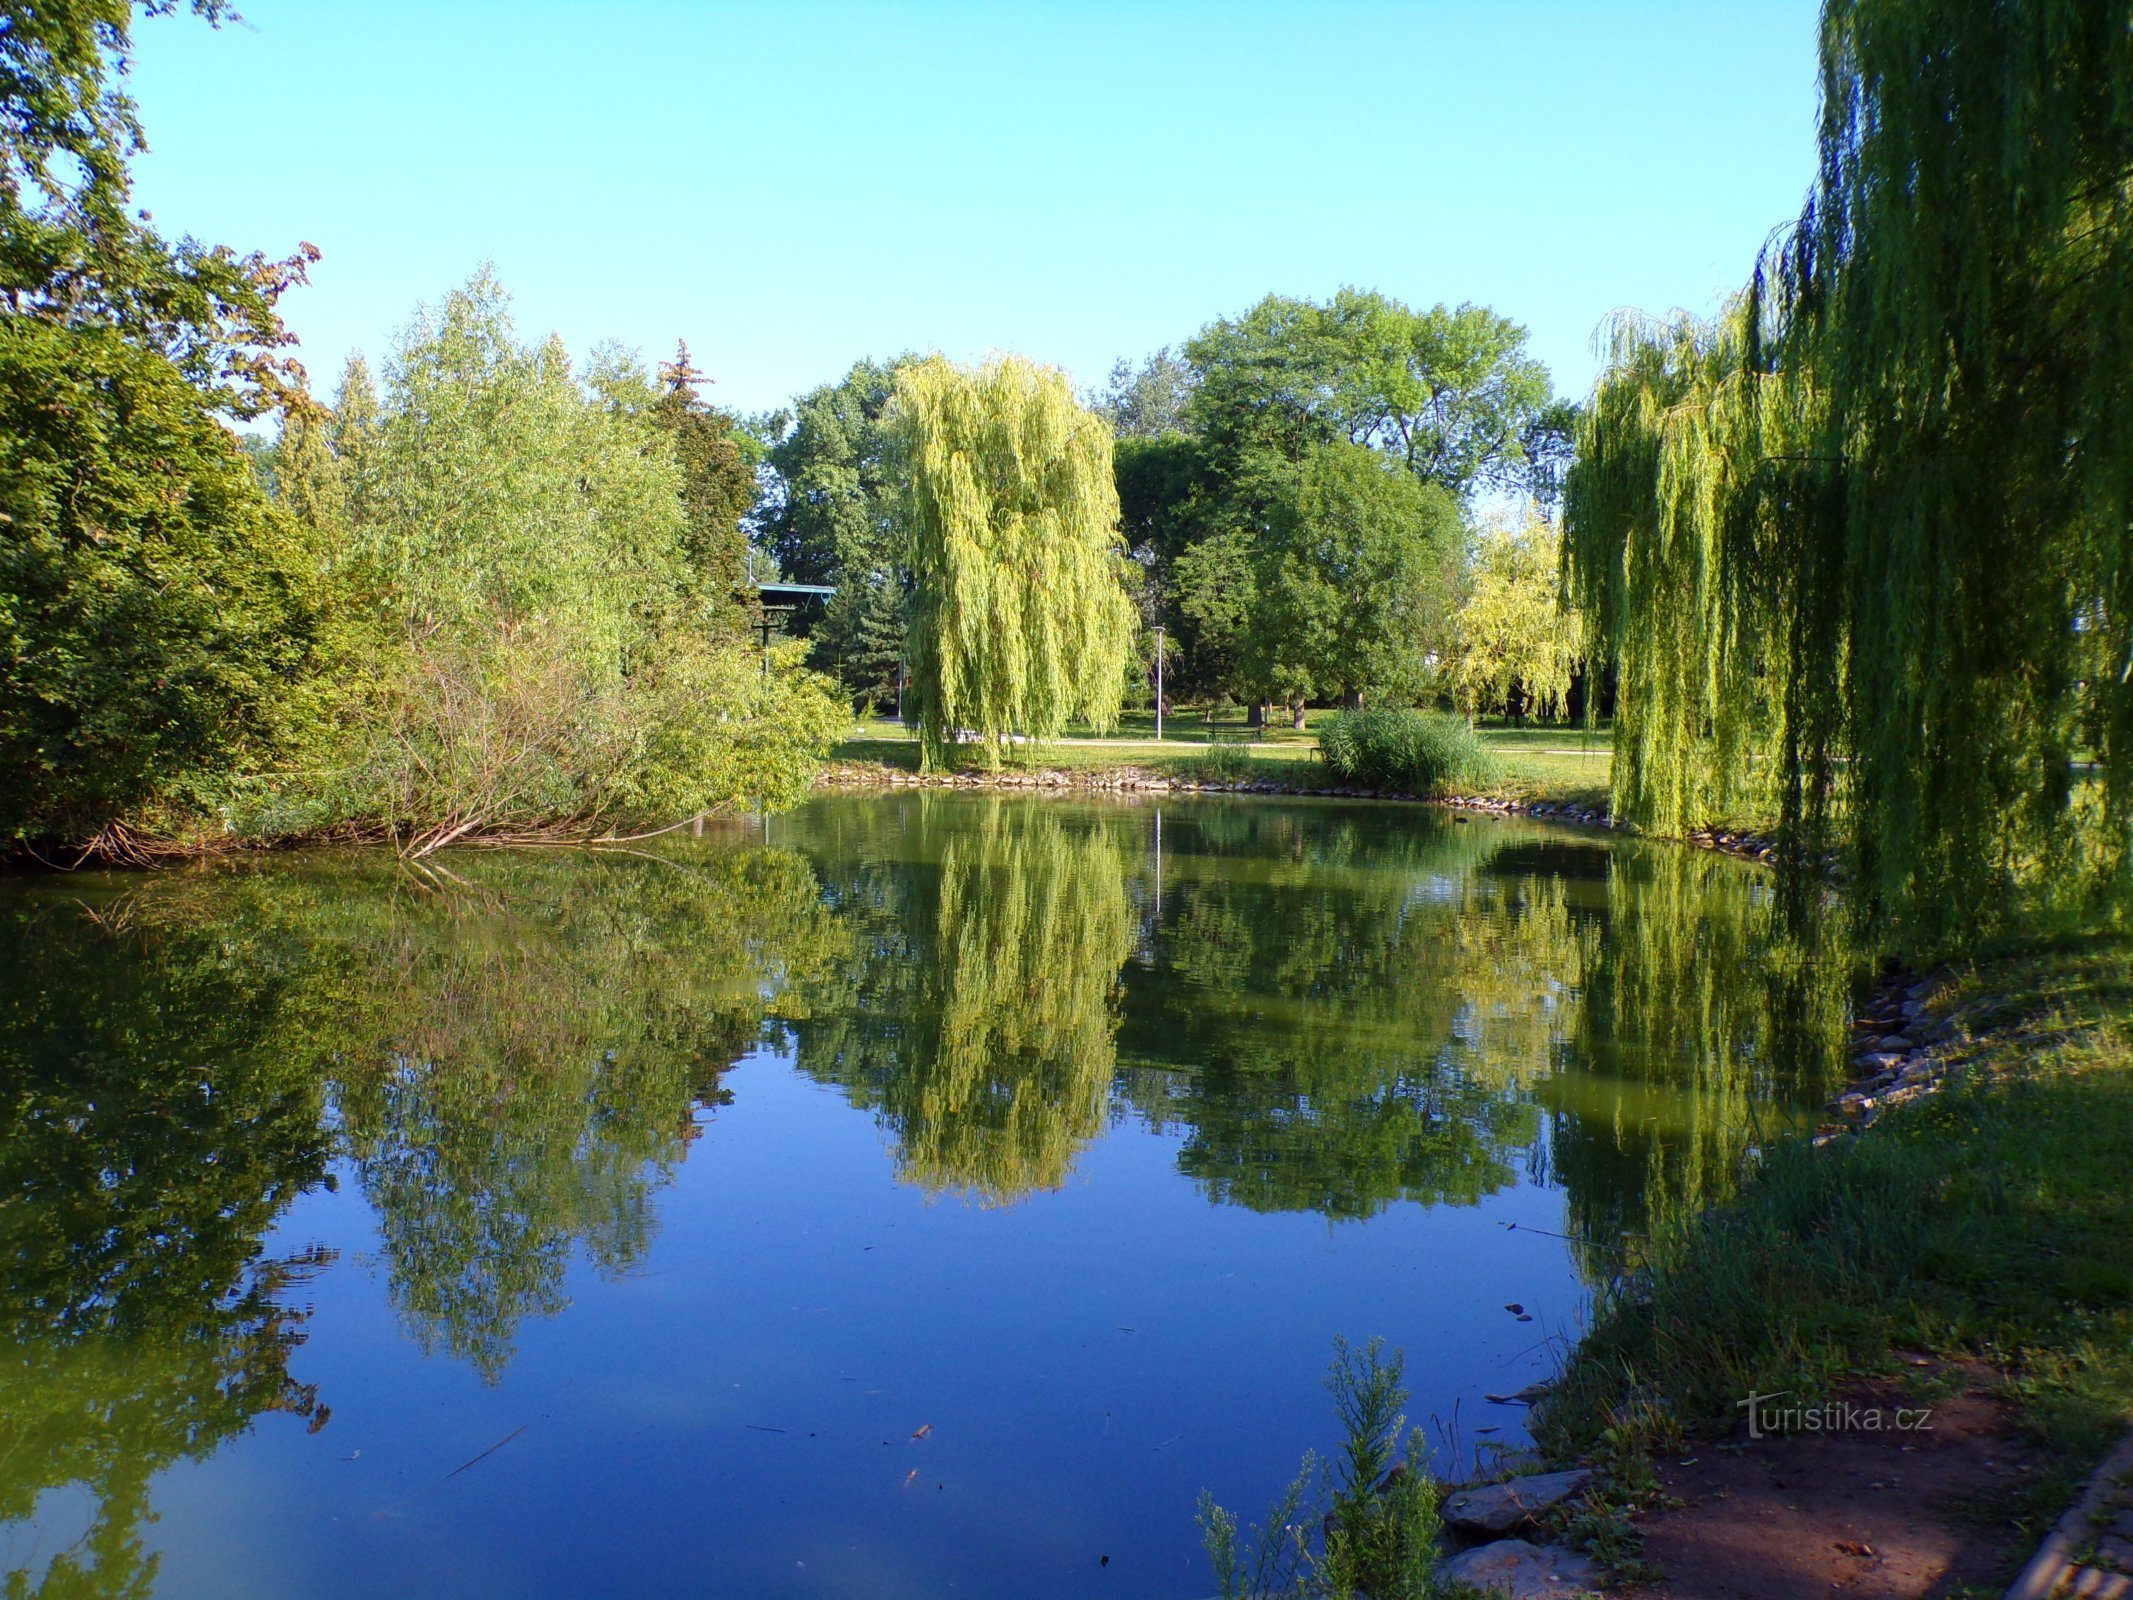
(1560, 765)
(1992, 1221)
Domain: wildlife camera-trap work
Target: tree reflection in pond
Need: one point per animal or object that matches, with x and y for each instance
(520, 1063)
(147, 1143)
(1335, 1008)
(1328, 1009)
(977, 1016)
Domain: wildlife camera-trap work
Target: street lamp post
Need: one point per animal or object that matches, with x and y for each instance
(1159, 683)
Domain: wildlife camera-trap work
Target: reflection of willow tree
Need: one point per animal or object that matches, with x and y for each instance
(1708, 1024)
(522, 1059)
(148, 1139)
(1362, 1007)
(979, 1013)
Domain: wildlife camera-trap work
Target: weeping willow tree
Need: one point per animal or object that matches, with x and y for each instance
(1864, 545)
(1677, 543)
(1514, 642)
(1020, 619)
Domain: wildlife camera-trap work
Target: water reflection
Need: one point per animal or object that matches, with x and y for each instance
(977, 1011)
(1328, 1010)
(146, 1146)
(521, 1059)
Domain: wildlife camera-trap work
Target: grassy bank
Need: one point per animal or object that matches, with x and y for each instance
(1990, 1224)
(1556, 765)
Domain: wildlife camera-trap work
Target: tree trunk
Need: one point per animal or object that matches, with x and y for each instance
(1298, 712)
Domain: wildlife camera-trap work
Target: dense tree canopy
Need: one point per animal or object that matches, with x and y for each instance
(1450, 394)
(1887, 497)
(830, 516)
(1352, 580)
(717, 461)
(160, 624)
(562, 651)
(1020, 620)
(161, 627)
(1515, 645)
(1242, 493)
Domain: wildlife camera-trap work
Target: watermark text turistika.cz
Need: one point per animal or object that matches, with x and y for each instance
(1766, 1416)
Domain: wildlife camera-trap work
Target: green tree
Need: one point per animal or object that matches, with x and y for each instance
(160, 626)
(74, 253)
(718, 489)
(831, 517)
(1514, 642)
(1353, 580)
(1870, 530)
(1020, 621)
(163, 629)
(560, 661)
(1451, 394)
(1148, 401)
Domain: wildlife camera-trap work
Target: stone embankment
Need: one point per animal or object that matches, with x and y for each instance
(1490, 1523)
(1139, 780)
(1907, 1041)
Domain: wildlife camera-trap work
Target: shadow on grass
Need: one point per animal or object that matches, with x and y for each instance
(1993, 1220)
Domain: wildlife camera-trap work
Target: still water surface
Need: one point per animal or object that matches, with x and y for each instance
(931, 1195)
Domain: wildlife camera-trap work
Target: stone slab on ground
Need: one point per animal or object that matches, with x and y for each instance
(1491, 1510)
(1522, 1571)
(2076, 1559)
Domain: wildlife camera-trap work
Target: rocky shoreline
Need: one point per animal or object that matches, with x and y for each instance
(846, 775)
(1906, 1044)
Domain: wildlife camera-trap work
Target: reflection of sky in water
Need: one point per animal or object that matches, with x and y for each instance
(710, 1331)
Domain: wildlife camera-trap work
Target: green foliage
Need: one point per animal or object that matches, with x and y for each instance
(1415, 752)
(1352, 580)
(1682, 569)
(1869, 532)
(562, 656)
(1450, 394)
(716, 460)
(1020, 621)
(1514, 642)
(1149, 401)
(73, 250)
(1379, 1516)
(832, 517)
(162, 627)
(1280, 567)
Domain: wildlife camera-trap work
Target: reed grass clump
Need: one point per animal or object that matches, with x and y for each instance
(1417, 752)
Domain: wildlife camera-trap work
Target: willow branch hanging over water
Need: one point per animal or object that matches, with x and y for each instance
(1020, 620)
(1861, 548)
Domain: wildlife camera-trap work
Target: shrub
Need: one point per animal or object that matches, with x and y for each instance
(1225, 763)
(1420, 752)
(1371, 1528)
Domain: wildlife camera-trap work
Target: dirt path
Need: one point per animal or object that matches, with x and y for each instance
(1887, 1514)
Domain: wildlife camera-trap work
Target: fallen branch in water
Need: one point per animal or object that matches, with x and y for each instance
(506, 1439)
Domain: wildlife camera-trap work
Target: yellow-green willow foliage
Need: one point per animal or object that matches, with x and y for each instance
(1512, 629)
(1034, 927)
(1707, 1026)
(1682, 567)
(1020, 619)
(1904, 474)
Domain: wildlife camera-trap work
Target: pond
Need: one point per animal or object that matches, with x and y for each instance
(913, 1195)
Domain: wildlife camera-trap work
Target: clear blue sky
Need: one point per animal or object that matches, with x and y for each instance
(794, 185)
